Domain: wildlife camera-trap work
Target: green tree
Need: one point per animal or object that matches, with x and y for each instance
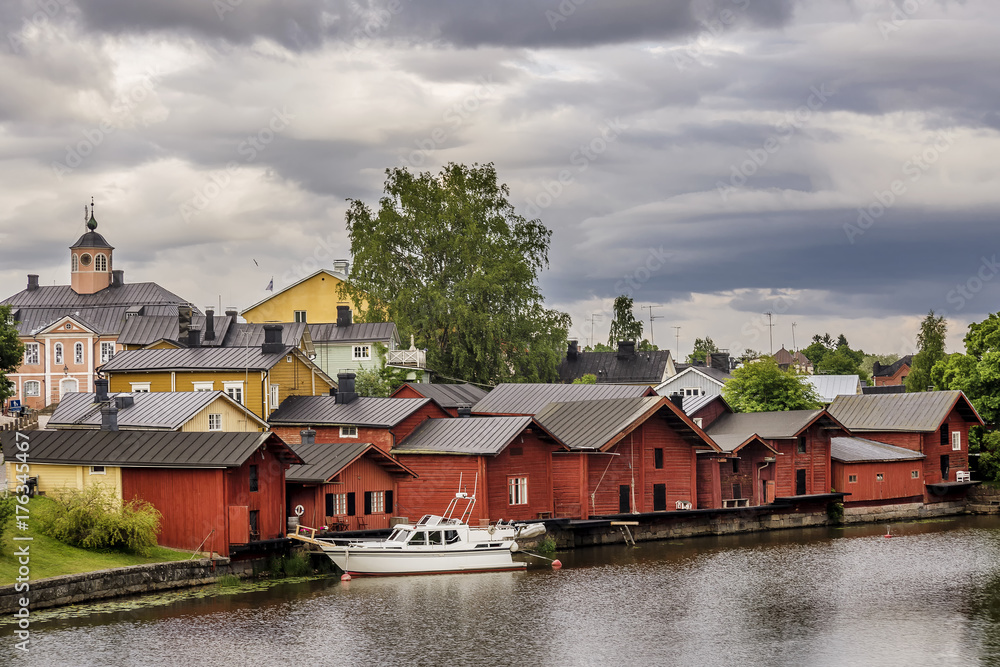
(599, 347)
(842, 361)
(589, 378)
(645, 346)
(868, 361)
(381, 380)
(448, 259)
(11, 353)
(930, 346)
(761, 386)
(749, 355)
(624, 326)
(702, 346)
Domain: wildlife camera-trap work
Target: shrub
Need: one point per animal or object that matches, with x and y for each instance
(6, 512)
(96, 518)
(835, 512)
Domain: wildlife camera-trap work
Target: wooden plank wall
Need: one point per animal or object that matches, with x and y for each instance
(897, 484)
(437, 483)
(534, 463)
(268, 500)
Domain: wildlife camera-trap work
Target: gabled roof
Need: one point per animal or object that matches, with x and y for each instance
(168, 410)
(713, 374)
(250, 334)
(829, 387)
(769, 425)
(358, 332)
(646, 367)
(447, 395)
(334, 274)
(731, 443)
(194, 359)
(326, 461)
(858, 450)
(801, 359)
(362, 411)
(152, 449)
(916, 411)
(598, 425)
(471, 436)
(693, 404)
(783, 356)
(890, 370)
(530, 399)
(148, 329)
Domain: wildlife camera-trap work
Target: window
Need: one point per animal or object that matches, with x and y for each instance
(915, 474)
(693, 391)
(852, 479)
(336, 503)
(203, 386)
(736, 469)
(214, 422)
(517, 491)
(300, 316)
(374, 502)
(139, 387)
(85, 259)
(801, 448)
(67, 326)
(101, 263)
(348, 431)
(956, 440)
(254, 524)
(737, 491)
(97, 470)
(879, 477)
(76, 263)
(78, 354)
(234, 390)
(31, 354)
(274, 396)
(362, 352)
(658, 458)
(659, 497)
(697, 422)
(944, 435)
(107, 351)
(517, 451)
(253, 478)
(32, 388)
(57, 353)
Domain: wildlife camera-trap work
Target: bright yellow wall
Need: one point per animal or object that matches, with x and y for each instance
(233, 419)
(319, 296)
(55, 478)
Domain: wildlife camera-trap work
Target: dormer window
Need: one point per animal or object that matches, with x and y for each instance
(101, 263)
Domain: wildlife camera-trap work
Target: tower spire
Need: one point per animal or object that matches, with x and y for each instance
(92, 223)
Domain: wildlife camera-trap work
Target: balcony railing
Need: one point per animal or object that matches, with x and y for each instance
(412, 358)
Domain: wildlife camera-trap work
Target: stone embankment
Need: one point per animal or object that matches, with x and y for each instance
(902, 512)
(984, 500)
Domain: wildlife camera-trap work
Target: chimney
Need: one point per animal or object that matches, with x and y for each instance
(209, 324)
(231, 312)
(109, 417)
(183, 322)
(194, 337)
(122, 402)
(307, 437)
(346, 393)
(677, 400)
(100, 390)
(574, 350)
(876, 367)
(333, 391)
(718, 360)
(626, 349)
(117, 278)
(272, 339)
(465, 411)
(344, 316)
(32, 281)
(341, 266)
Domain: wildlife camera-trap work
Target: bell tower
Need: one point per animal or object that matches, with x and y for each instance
(90, 258)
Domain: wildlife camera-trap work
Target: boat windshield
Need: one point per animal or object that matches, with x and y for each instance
(418, 537)
(398, 536)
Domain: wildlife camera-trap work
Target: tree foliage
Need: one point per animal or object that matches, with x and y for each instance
(599, 347)
(381, 380)
(930, 346)
(761, 386)
(11, 353)
(447, 258)
(624, 327)
(96, 518)
(835, 357)
(702, 347)
(589, 378)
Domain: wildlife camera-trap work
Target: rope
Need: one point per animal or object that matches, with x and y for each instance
(593, 503)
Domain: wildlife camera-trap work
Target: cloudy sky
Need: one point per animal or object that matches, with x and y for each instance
(830, 161)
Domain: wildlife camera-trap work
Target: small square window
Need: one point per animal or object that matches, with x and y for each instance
(300, 316)
(915, 474)
(98, 470)
(879, 477)
(348, 431)
(139, 387)
(203, 386)
(362, 352)
(234, 390)
(215, 422)
(852, 479)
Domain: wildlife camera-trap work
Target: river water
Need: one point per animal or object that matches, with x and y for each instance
(826, 596)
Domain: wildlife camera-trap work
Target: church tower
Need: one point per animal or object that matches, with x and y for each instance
(90, 259)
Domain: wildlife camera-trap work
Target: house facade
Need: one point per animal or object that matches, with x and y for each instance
(874, 473)
(892, 374)
(314, 298)
(695, 381)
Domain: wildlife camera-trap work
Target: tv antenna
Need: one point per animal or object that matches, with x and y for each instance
(651, 318)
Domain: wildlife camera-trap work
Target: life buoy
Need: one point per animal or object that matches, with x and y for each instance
(299, 510)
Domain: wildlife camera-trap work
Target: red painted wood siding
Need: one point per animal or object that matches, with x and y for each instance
(815, 460)
(405, 391)
(709, 486)
(750, 474)
(534, 463)
(897, 483)
(430, 411)
(569, 495)
(359, 477)
(268, 500)
(438, 482)
(383, 438)
(709, 413)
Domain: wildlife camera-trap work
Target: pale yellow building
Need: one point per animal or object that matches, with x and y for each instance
(313, 299)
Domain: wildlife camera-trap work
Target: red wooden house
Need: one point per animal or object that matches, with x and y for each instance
(344, 486)
(892, 375)
(933, 423)
(874, 473)
(531, 398)
(703, 410)
(451, 397)
(742, 476)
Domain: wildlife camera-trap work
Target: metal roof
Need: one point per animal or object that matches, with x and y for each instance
(325, 461)
(194, 359)
(168, 410)
(710, 372)
(890, 370)
(448, 395)
(830, 387)
(530, 399)
(154, 449)
(249, 334)
(917, 411)
(771, 425)
(358, 332)
(362, 411)
(473, 435)
(645, 367)
(693, 404)
(92, 239)
(858, 450)
(734, 442)
(147, 329)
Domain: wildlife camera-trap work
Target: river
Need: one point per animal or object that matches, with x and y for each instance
(826, 596)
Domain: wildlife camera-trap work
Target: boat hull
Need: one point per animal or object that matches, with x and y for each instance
(367, 561)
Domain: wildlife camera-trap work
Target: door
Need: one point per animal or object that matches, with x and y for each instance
(800, 482)
(659, 497)
(624, 506)
(945, 467)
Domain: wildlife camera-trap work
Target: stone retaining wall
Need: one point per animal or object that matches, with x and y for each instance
(984, 500)
(902, 512)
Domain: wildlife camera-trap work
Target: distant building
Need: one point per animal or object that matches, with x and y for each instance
(829, 387)
(797, 361)
(695, 381)
(625, 366)
(451, 397)
(314, 298)
(893, 374)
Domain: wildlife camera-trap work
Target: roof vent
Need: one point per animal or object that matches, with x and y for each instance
(272, 339)
(109, 417)
(465, 411)
(100, 390)
(117, 278)
(307, 437)
(346, 393)
(574, 350)
(678, 401)
(122, 402)
(209, 324)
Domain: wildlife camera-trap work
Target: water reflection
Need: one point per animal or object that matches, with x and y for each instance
(930, 595)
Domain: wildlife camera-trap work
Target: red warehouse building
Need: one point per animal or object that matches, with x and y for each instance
(742, 476)
(451, 397)
(874, 473)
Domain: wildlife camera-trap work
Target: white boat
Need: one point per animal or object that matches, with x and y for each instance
(434, 545)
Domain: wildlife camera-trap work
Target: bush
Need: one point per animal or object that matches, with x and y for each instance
(835, 513)
(96, 518)
(6, 512)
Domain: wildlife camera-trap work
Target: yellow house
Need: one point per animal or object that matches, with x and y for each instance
(313, 299)
(54, 477)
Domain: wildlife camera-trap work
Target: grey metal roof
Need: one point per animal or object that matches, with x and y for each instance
(325, 461)
(530, 399)
(733, 442)
(593, 424)
(147, 329)
(249, 334)
(857, 450)
(646, 367)
(786, 424)
(713, 374)
(830, 387)
(358, 332)
(473, 435)
(194, 359)
(167, 410)
(362, 411)
(92, 239)
(165, 449)
(693, 404)
(917, 411)
(449, 395)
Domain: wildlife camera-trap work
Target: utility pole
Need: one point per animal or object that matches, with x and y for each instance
(794, 349)
(677, 354)
(651, 318)
(593, 316)
(770, 331)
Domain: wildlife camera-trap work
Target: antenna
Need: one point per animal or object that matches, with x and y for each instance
(794, 349)
(593, 316)
(677, 354)
(770, 331)
(651, 318)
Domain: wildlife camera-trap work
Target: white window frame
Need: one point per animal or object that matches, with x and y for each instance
(215, 421)
(107, 351)
(28, 385)
(362, 352)
(914, 474)
(956, 441)
(300, 315)
(693, 391)
(274, 395)
(340, 503)
(517, 490)
(78, 354)
(348, 431)
(98, 470)
(879, 477)
(378, 502)
(852, 479)
(698, 421)
(75, 263)
(101, 262)
(139, 387)
(202, 386)
(31, 354)
(234, 387)
(57, 353)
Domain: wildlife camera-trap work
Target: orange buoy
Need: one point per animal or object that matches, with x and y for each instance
(345, 577)
(556, 564)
